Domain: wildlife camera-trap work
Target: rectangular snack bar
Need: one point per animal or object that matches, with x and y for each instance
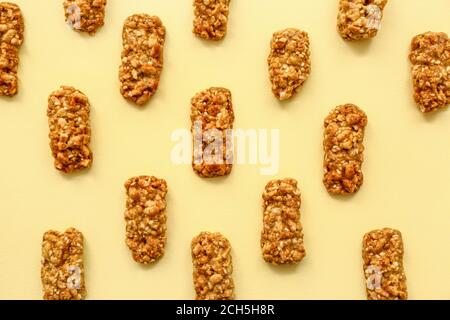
(282, 236)
(430, 59)
(212, 119)
(213, 268)
(211, 18)
(145, 218)
(11, 39)
(289, 62)
(62, 266)
(383, 265)
(70, 130)
(344, 149)
(360, 19)
(142, 57)
(85, 15)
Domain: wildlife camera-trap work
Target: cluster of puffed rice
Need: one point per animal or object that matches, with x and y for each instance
(11, 39)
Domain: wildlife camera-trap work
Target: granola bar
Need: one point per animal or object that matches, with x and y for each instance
(282, 236)
(211, 18)
(11, 39)
(383, 265)
(70, 131)
(344, 149)
(360, 19)
(145, 218)
(430, 58)
(85, 15)
(142, 57)
(211, 258)
(289, 62)
(212, 119)
(62, 266)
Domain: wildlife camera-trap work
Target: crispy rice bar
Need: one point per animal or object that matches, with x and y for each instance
(430, 58)
(211, 18)
(383, 265)
(145, 218)
(70, 131)
(360, 19)
(142, 57)
(212, 119)
(289, 62)
(344, 149)
(85, 15)
(62, 267)
(282, 236)
(11, 38)
(9, 63)
(213, 268)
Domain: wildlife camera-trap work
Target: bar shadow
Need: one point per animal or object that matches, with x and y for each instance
(432, 116)
(283, 269)
(360, 47)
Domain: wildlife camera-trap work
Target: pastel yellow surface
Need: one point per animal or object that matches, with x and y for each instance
(407, 172)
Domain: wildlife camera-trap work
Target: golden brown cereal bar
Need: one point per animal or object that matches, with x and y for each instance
(142, 57)
(430, 58)
(383, 265)
(213, 268)
(11, 38)
(62, 266)
(282, 236)
(70, 131)
(212, 119)
(9, 62)
(360, 19)
(289, 62)
(145, 218)
(85, 15)
(211, 18)
(344, 149)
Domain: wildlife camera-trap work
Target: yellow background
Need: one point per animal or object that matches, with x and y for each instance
(407, 173)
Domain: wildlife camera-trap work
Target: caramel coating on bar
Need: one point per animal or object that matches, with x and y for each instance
(62, 266)
(360, 19)
(142, 57)
(70, 130)
(145, 218)
(282, 236)
(11, 38)
(211, 18)
(85, 15)
(212, 117)
(344, 149)
(211, 258)
(289, 62)
(383, 265)
(430, 59)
